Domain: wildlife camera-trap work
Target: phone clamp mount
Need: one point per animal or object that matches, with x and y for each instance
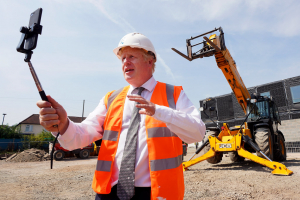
(27, 33)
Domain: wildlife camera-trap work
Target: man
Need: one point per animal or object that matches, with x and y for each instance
(140, 155)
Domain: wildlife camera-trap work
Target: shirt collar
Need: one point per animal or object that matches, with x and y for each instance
(148, 85)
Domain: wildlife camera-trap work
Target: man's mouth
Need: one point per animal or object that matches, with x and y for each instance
(128, 70)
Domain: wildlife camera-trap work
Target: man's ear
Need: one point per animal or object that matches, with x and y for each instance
(150, 62)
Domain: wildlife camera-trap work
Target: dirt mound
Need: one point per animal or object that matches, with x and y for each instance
(30, 155)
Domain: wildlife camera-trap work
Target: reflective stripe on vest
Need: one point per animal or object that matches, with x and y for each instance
(170, 97)
(112, 97)
(160, 132)
(103, 165)
(110, 135)
(163, 164)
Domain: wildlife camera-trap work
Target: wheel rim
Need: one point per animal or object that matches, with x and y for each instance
(85, 154)
(59, 155)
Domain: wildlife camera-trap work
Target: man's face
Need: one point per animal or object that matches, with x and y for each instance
(136, 69)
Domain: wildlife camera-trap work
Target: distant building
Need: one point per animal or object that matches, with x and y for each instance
(31, 125)
(286, 94)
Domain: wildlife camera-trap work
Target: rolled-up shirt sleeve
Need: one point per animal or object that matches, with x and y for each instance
(79, 135)
(185, 121)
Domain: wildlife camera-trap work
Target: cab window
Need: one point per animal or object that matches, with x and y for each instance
(295, 90)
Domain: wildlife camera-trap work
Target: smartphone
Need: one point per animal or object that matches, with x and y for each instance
(35, 18)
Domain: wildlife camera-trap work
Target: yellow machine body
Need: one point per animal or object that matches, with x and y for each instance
(232, 141)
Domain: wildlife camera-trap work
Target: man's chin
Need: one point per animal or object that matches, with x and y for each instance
(129, 79)
(132, 81)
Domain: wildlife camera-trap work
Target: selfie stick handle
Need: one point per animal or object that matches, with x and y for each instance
(38, 84)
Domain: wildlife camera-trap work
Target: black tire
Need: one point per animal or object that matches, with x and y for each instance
(77, 155)
(264, 141)
(234, 156)
(84, 153)
(218, 157)
(279, 149)
(59, 155)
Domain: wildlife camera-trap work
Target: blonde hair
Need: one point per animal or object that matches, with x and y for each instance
(146, 55)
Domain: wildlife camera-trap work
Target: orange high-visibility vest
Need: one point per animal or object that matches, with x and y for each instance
(164, 147)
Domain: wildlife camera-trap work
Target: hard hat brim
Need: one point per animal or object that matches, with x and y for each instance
(116, 50)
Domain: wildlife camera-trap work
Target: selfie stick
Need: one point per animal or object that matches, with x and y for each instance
(28, 33)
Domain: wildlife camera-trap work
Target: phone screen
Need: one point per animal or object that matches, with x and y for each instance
(35, 18)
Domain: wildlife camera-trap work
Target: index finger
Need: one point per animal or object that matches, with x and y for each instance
(43, 104)
(137, 98)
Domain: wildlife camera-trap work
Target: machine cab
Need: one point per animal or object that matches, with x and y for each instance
(264, 109)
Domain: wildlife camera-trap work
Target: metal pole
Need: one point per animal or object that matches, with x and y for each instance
(35, 77)
(3, 118)
(82, 110)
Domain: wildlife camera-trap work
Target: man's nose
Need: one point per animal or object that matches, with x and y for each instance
(125, 61)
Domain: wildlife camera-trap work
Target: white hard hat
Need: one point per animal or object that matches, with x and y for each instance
(135, 40)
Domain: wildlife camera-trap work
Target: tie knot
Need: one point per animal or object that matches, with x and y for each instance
(140, 90)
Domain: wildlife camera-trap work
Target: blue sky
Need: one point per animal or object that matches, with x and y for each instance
(74, 59)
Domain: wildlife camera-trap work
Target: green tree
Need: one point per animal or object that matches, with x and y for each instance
(39, 141)
(10, 132)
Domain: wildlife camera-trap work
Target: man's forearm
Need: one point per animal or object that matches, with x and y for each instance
(79, 135)
(186, 125)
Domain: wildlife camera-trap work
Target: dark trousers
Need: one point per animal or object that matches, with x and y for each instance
(141, 193)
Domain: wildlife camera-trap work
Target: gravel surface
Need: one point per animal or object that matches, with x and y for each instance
(72, 178)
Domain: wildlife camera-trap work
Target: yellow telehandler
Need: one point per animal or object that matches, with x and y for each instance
(259, 131)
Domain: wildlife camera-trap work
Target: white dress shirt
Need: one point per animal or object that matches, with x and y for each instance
(185, 122)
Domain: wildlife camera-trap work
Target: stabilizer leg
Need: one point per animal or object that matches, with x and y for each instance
(278, 168)
(206, 156)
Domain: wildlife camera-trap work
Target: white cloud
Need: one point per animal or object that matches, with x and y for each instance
(120, 21)
(99, 5)
(279, 18)
(166, 67)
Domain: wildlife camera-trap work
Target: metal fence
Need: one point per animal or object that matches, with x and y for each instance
(292, 147)
(16, 144)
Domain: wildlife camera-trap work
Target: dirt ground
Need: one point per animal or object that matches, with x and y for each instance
(72, 178)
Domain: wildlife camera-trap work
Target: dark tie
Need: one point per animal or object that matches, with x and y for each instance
(125, 186)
